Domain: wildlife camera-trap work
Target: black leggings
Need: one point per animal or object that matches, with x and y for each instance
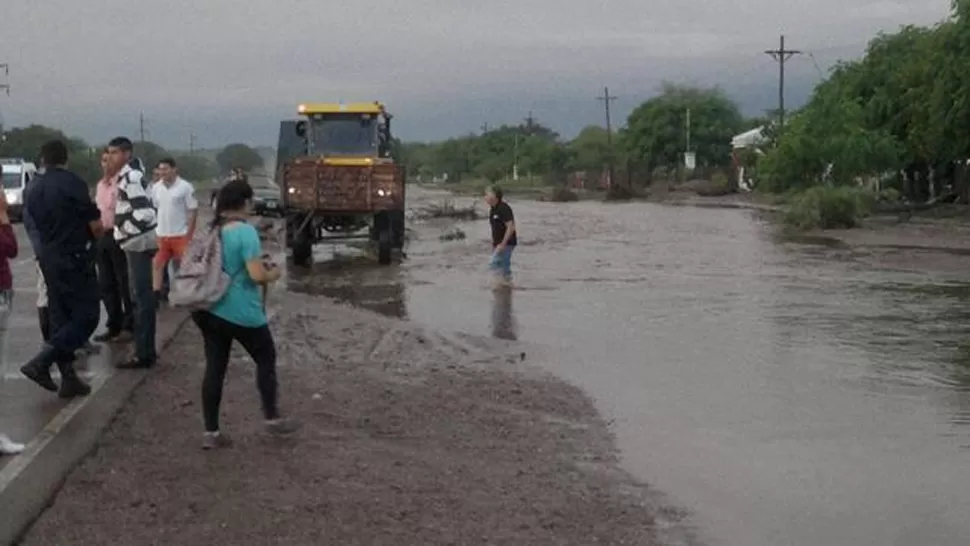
(218, 335)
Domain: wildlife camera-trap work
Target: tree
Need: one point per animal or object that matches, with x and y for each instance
(656, 134)
(25, 143)
(238, 155)
(590, 149)
(150, 153)
(196, 168)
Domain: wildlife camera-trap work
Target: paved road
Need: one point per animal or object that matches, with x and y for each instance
(25, 408)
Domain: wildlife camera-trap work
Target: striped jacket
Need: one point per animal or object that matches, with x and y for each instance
(135, 216)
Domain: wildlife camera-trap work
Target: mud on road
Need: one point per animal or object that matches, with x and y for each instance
(408, 437)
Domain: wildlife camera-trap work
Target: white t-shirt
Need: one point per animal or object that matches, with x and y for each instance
(175, 204)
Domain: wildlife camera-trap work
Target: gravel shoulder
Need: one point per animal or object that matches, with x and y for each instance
(409, 437)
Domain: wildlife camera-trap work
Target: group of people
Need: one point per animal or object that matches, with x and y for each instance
(116, 249)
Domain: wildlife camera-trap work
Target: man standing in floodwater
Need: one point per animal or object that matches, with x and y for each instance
(504, 235)
(67, 223)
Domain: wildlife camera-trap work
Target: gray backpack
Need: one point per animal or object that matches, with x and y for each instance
(200, 281)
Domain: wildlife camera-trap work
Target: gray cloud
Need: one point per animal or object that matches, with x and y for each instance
(227, 70)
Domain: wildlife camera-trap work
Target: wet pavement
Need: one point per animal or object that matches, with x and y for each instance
(784, 393)
(25, 408)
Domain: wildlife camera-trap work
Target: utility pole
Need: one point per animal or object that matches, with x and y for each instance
(4, 87)
(607, 98)
(141, 129)
(6, 72)
(781, 55)
(191, 143)
(687, 151)
(515, 157)
(529, 123)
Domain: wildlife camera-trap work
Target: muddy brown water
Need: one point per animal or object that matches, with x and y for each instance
(782, 392)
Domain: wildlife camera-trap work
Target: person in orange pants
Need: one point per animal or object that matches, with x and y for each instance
(174, 199)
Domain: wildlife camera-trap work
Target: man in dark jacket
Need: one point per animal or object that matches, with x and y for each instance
(66, 223)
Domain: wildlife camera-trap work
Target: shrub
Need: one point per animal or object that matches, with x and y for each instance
(562, 195)
(825, 207)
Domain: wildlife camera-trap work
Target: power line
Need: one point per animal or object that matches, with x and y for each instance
(781, 55)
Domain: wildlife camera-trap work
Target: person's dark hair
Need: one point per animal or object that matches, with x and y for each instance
(496, 191)
(167, 161)
(53, 153)
(231, 197)
(124, 143)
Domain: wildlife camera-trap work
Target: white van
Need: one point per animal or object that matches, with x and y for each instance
(17, 173)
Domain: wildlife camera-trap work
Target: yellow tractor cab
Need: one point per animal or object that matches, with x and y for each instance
(337, 176)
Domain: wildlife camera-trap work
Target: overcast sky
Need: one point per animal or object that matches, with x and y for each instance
(228, 70)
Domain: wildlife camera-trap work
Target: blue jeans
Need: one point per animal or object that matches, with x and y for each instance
(143, 303)
(501, 263)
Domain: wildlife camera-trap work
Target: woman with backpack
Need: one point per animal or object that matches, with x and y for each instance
(239, 315)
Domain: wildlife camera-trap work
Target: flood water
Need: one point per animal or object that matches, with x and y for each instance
(783, 393)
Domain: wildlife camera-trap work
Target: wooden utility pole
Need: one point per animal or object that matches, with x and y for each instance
(191, 143)
(4, 87)
(781, 55)
(607, 99)
(529, 123)
(6, 72)
(141, 128)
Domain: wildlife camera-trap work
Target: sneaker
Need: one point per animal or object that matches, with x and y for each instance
(215, 440)
(281, 427)
(9, 447)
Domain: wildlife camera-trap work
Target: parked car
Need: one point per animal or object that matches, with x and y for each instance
(267, 197)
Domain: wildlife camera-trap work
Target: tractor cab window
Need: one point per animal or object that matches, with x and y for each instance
(344, 135)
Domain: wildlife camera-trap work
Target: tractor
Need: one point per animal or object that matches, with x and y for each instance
(337, 177)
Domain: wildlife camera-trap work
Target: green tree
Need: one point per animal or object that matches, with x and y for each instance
(238, 155)
(656, 131)
(25, 143)
(590, 149)
(196, 168)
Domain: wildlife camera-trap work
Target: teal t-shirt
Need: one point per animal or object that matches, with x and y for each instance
(243, 301)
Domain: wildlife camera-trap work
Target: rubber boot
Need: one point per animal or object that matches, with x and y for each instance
(38, 369)
(71, 384)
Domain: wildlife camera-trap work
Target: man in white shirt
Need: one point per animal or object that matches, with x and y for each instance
(174, 199)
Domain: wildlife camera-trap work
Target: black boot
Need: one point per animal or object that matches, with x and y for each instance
(71, 384)
(38, 369)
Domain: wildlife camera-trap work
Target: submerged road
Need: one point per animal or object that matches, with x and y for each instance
(785, 394)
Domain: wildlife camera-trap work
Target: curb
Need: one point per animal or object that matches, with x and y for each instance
(29, 483)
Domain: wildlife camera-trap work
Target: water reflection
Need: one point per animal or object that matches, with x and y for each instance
(503, 321)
